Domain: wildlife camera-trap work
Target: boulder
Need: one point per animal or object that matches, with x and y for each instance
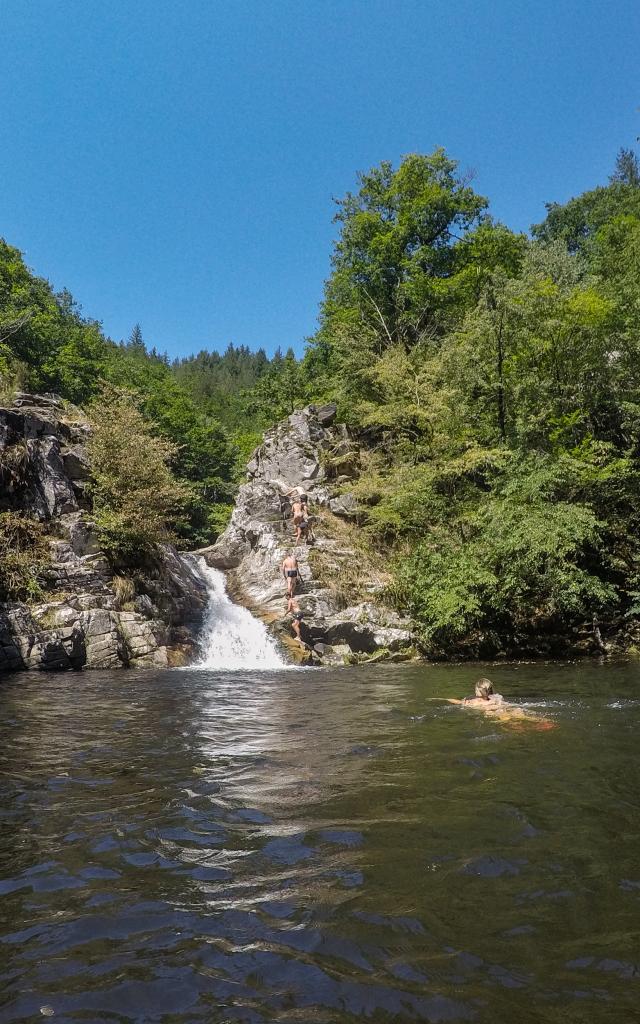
(76, 463)
(295, 453)
(344, 505)
(326, 413)
(48, 401)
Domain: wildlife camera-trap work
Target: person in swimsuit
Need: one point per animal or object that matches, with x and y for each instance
(293, 608)
(304, 531)
(300, 510)
(301, 520)
(484, 697)
(491, 703)
(291, 573)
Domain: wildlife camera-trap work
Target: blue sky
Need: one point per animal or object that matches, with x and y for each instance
(173, 163)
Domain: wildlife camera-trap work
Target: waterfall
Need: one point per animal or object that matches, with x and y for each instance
(232, 637)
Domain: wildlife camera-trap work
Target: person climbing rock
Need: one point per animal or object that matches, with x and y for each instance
(291, 573)
(304, 531)
(298, 492)
(293, 609)
(300, 511)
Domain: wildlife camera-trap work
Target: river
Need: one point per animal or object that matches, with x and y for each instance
(320, 846)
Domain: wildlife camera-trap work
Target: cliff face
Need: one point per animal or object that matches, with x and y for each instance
(87, 618)
(340, 596)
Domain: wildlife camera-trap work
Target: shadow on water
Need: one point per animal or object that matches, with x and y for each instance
(324, 846)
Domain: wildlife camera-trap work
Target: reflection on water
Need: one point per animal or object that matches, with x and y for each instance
(318, 846)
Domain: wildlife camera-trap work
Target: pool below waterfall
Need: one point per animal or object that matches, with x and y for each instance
(320, 845)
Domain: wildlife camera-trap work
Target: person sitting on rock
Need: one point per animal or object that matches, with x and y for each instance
(291, 573)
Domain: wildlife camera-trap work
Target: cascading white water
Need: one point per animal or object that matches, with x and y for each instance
(232, 637)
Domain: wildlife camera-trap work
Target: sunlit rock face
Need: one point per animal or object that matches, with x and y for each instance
(310, 451)
(84, 622)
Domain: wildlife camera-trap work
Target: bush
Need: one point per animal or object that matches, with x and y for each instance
(124, 590)
(23, 557)
(523, 565)
(135, 495)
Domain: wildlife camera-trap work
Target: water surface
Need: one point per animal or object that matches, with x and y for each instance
(320, 846)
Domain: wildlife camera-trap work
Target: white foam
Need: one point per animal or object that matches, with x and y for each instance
(232, 637)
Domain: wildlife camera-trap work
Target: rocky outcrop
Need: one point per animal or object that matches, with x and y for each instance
(309, 450)
(88, 617)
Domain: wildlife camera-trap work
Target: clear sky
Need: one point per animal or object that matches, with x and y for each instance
(173, 163)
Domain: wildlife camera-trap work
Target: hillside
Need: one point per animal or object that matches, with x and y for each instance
(489, 380)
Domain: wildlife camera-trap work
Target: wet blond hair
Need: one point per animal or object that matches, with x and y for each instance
(484, 688)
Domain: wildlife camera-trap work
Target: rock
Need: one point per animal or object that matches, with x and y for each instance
(344, 505)
(82, 627)
(48, 401)
(251, 549)
(76, 463)
(144, 606)
(392, 639)
(326, 413)
(290, 452)
(338, 654)
(80, 533)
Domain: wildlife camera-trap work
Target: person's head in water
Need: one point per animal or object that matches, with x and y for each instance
(484, 688)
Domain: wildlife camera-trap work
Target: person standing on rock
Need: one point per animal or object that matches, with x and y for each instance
(291, 573)
(300, 509)
(301, 520)
(293, 609)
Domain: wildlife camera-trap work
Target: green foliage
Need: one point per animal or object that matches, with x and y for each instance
(493, 382)
(398, 263)
(512, 566)
(24, 555)
(576, 223)
(495, 385)
(135, 495)
(47, 345)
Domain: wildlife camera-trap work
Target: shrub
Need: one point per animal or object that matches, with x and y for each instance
(23, 557)
(135, 495)
(124, 590)
(524, 565)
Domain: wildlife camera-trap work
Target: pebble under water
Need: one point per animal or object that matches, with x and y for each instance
(320, 846)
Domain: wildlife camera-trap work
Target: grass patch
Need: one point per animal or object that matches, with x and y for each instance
(125, 591)
(24, 555)
(348, 566)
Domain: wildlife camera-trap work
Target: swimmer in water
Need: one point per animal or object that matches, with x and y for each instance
(491, 703)
(484, 697)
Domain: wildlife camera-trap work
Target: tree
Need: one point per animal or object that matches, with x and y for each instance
(627, 169)
(531, 362)
(136, 343)
(135, 495)
(401, 249)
